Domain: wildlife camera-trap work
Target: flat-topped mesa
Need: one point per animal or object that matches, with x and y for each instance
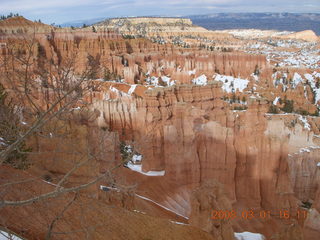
(152, 20)
(146, 26)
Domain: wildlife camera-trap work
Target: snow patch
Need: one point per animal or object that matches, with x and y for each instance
(275, 102)
(231, 84)
(136, 158)
(108, 188)
(192, 72)
(168, 81)
(255, 77)
(138, 168)
(304, 120)
(132, 88)
(2, 142)
(154, 81)
(180, 223)
(296, 80)
(201, 80)
(311, 78)
(318, 164)
(249, 236)
(6, 236)
(118, 92)
(135, 210)
(302, 150)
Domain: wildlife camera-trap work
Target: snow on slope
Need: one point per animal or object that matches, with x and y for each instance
(154, 81)
(118, 92)
(138, 168)
(304, 120)
(201, 80)
(312, 80)
(7, 236)
(231, 84)
(249, 236)
(132, 88)
(275, 101)
(296, 80)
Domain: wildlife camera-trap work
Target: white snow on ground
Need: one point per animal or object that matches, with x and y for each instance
(255, 77)
(255, 33)
(318, 164)
(2, 142)
(180, 223)
(192, 72)
(154, 81)
(168, 81)
(136, 158)
(127, 148)
(201, 80)
(132, 88)
(305, 122)
(148, 199)
(107, 188)
(304, 150)
(231, 84)
(296, 80)
(275, 102)
(249, 236)
(118, 92)
(138, 211)
(280, 52)
(138, 168)
(7, 236)
(311, 79)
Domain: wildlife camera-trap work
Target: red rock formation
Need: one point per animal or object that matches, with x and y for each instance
(189, 131)
(207, 198)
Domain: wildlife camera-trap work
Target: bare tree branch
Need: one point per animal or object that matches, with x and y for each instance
(49, 233)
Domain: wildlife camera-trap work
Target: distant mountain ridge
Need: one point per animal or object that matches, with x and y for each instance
(221, 21)
(265, 21)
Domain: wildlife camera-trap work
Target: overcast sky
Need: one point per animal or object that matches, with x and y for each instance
(59, 11)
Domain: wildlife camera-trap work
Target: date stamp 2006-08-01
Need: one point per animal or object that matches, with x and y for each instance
(257, 214)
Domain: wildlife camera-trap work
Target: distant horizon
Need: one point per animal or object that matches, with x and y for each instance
(157, 16)
(61, 11)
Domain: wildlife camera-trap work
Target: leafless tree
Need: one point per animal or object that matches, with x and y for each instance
(40, 100)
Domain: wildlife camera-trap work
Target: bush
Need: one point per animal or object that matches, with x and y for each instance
(302, 112)
(256, 70)
(316, 113)
(128, 36)
(273, 109)
(240, 108)
(125, 151)
(306, 204)
(288, 106)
